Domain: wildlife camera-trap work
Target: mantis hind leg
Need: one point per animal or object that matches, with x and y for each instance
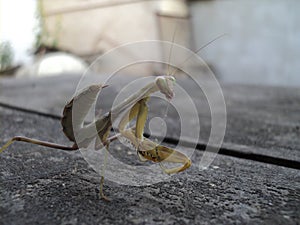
(7, 144)
(38, 142)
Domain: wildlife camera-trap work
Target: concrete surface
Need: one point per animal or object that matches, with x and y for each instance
(45, 186)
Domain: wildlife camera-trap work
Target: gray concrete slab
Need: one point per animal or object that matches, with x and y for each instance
(260, 120)
(44, 186)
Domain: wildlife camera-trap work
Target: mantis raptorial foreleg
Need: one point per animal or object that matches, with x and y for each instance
(147, 149)
(141, 118)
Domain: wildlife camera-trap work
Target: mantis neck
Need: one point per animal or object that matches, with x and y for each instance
(134, 98)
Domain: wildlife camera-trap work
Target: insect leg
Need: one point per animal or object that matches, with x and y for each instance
(141, 118)
(39, 142)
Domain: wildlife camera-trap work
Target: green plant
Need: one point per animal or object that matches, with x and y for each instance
(6, 55)
(40, 25)
(42, 34)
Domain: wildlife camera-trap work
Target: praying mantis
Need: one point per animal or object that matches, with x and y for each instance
(135, 107)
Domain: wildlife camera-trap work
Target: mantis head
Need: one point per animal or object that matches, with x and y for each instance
(165, 85)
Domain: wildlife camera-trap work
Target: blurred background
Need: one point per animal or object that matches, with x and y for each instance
(51, 37)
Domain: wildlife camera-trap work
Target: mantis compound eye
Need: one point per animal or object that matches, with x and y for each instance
(165, 84)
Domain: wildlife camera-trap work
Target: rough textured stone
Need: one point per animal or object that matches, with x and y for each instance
(45, 186)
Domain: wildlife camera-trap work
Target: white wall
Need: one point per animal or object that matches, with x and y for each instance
(263, 42)
(100, 29)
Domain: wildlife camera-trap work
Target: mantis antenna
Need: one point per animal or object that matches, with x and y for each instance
(197, 51)
(170, 53)
(168, 71)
